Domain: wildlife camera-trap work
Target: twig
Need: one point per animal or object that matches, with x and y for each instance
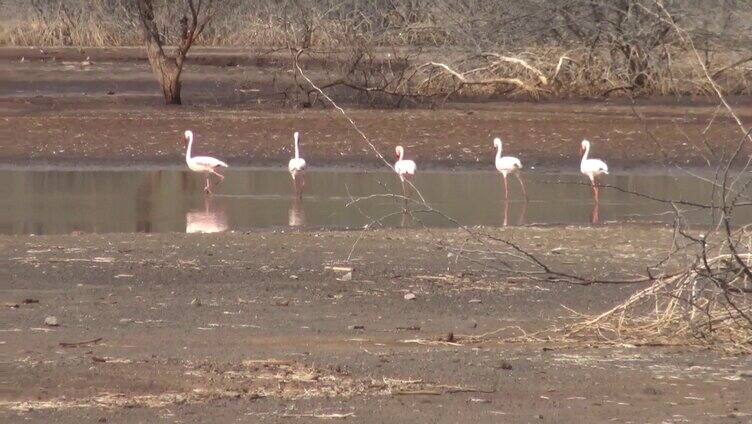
(83, 343)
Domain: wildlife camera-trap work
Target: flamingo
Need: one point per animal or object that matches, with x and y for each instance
(508, 165)
(297, 166)
(404, 168)
(204, 164)
(592, 168)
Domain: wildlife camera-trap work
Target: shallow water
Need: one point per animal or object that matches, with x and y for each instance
(103, 201)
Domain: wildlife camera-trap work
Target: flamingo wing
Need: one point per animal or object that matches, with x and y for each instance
(594, 167)
(508, 164)
(296, 165)
(600, 166)
(208, 162)
(405, 167)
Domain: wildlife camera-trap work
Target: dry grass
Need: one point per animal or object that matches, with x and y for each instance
(708, 307)
(483, 51)
(251, 379)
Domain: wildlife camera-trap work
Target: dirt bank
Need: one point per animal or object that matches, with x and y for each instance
(255, 327)
(55, 111)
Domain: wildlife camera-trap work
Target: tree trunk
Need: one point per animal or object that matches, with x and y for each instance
(167, 69)
(167, 72)
(171, 89)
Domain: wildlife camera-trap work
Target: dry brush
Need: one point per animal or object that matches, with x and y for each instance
(581, 47)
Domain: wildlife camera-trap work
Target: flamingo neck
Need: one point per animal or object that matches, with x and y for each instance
(188, 151)
(297, 152)
(587, 151)
(498, 151)
(401, 155)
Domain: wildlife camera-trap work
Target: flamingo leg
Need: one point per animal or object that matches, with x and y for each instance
(595, 218)
(221, 177)
(597, 191)
(522, 185)
(506, 189)
(523, 214)
(404, 190)
(294, 184)
(302, 185)
(506, 213)
(297, 183)
(207, 187)
(597, 205)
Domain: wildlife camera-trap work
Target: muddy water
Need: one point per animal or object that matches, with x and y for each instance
(48, 202)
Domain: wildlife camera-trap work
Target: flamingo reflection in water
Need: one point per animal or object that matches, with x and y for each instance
(296, 216)
(212, 219)
(407, 219)
(523, 214)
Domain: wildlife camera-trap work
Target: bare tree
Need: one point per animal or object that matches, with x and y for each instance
(166, 67)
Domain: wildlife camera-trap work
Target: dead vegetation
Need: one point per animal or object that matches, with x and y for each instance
(428, 50)
(251, 379)
(709, 305)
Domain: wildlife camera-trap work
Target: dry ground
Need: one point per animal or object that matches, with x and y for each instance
(274, 336)
(55, 110)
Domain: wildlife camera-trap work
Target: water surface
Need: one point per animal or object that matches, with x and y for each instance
(104, 201)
